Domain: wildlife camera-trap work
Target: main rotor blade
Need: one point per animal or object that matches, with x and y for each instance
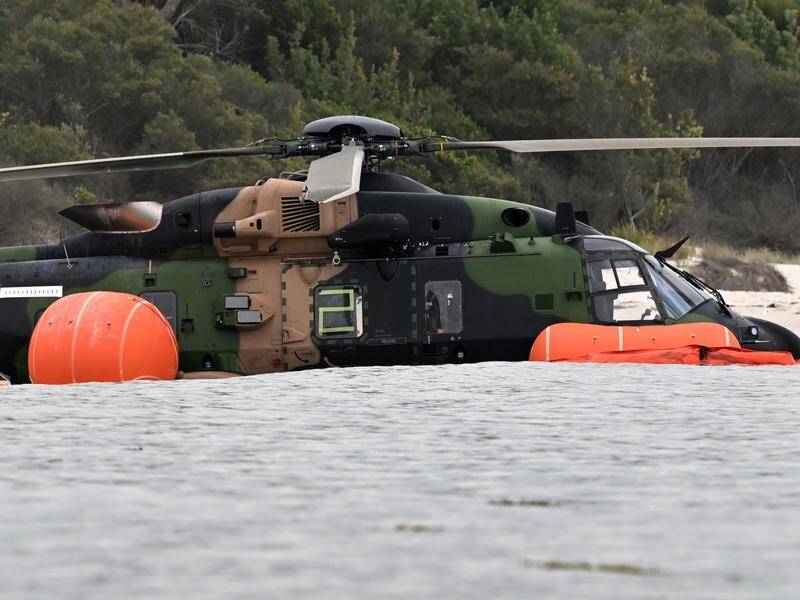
(334, 176)
(574, 145)
(148, 162)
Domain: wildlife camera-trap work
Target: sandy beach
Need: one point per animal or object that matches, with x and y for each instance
(780, 307)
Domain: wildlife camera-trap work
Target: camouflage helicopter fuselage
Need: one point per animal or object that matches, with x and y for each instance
(254, 281)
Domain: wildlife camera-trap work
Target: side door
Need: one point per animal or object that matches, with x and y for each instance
(367, 314)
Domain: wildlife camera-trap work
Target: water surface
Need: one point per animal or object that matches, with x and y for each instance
(474, 481)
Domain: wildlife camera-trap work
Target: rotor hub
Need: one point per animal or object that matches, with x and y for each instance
(352, 126)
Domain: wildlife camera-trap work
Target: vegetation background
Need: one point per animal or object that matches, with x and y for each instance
(92, 78)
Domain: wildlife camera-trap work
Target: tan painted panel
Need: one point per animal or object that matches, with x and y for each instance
(282, 269)
(258, 212)
(282, 293)
(298, 311)
(260, 348)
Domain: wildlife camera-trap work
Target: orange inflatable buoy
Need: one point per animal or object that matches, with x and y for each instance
(573, 341)
(102, 336)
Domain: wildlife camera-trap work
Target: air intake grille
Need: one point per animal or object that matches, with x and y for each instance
(299, 216)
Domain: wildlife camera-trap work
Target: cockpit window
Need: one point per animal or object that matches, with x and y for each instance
(628, 273)
(620, 292)
(623, 306)
(601, 276)
(624, 273)
(677, 294)
(634, 306)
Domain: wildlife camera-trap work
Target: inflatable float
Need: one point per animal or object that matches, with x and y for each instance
(681, 344)
(104, 337)
(114, 337)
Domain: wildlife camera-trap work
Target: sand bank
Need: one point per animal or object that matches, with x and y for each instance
(780, 307)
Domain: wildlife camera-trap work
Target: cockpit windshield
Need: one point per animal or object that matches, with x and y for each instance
(676, 293)
(626, 284)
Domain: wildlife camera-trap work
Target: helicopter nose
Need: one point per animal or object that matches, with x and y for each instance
(766, 335)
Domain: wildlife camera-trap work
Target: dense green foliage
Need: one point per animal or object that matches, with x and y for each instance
(86, 78)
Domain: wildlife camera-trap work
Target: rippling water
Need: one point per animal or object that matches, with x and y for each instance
(520, 480)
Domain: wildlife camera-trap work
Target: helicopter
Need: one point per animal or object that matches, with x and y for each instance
(346, 265)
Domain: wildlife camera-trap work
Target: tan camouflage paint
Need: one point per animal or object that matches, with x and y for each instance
(282, 267)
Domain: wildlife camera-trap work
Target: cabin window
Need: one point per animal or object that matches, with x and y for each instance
(167, 304)
(339, 311)
(183, 219)
(443, 307)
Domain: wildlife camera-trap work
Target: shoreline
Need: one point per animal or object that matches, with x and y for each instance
(782, 308)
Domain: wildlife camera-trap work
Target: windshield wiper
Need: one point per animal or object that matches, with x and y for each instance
(699, 283)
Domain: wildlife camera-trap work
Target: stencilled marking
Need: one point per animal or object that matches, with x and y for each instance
(32, 291)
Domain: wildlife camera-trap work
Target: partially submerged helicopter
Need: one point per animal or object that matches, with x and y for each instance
(351, 266)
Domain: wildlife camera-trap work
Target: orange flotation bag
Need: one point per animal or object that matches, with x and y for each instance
(742, 356)
(102, 336)
(570, 341)
(688, 355)
(688, 344)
